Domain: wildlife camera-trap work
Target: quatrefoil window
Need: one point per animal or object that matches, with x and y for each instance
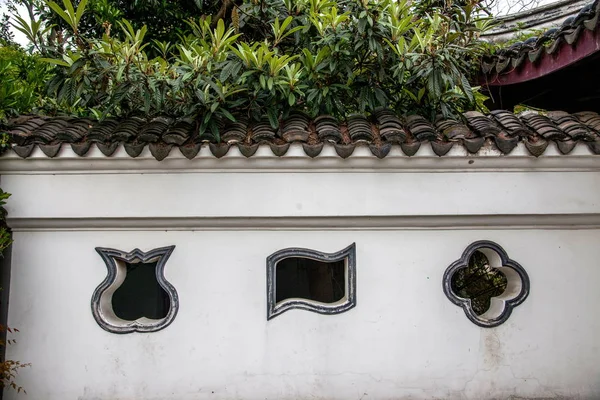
(486, 283)
(135, 296)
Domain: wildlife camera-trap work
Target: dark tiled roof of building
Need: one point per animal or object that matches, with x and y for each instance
(380, 132)
(539, 18)
(547, 44)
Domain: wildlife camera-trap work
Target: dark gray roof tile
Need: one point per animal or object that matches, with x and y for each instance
(328, 128)
(536, 146)
(543, 126)
(511, 123)
(359, 128)
(295, 128)
(549, 42)
(572, 126)
(390, 126)
(190, 150)
(421, 128)
(160, 150)
(102, 131)
(248, 150)
(380, 131)
(482, 124)
(262, 131)
(82, 148)
(452, 129)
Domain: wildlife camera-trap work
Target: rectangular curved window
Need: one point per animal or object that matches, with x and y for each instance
(310, 279)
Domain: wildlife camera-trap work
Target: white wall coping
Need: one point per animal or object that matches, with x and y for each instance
(362, 160)
(314, 223)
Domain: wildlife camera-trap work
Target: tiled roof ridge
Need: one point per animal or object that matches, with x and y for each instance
(532, 49)
(379, 131)
(544, 16)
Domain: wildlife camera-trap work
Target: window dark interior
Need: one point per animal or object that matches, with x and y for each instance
(310, 279)
(140, 294)
(478, 282)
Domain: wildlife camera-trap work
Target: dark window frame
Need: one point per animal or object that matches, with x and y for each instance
(102, 308)
(348, 255)
(518, 283)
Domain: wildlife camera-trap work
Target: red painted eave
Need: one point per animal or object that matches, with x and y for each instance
(587, 44)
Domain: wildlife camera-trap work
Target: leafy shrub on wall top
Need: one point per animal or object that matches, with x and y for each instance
(22, 81)
(270, 57)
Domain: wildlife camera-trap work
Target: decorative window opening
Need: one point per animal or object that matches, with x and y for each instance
(486, 284)
(479, 282)
(135, 296)
(311, 280)
(140, 294)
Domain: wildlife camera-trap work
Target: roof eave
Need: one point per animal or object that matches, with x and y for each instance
(588, 44)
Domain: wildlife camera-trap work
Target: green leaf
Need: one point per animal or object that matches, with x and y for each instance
(466, 87)
(272, 115)
(55, 62)
(263, 82)
(80, 10)
(230, 68)
(214, 129)
(228, 115)
(70, 8)
(312, 95)
(57, 9)
(420, 95)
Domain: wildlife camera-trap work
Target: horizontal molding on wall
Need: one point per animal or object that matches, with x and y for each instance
(295, 160)
(436, 222)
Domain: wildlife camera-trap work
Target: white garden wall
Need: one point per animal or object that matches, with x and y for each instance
(410, 219)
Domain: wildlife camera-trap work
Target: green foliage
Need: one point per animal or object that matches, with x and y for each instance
(6, 36)
(70, 15)
(22, 82)
(5, 239)
(522, 35)
(519, 108)
(479, 282)
(274, 56)
(253, 58)
(165, 19)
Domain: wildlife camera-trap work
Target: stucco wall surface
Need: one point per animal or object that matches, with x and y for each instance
(403, 340)
(258, 194)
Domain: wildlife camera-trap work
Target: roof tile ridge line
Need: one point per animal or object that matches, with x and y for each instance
(123, 157)
(548, 20)
(596, 8)
(585, 124)
(540, 9)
